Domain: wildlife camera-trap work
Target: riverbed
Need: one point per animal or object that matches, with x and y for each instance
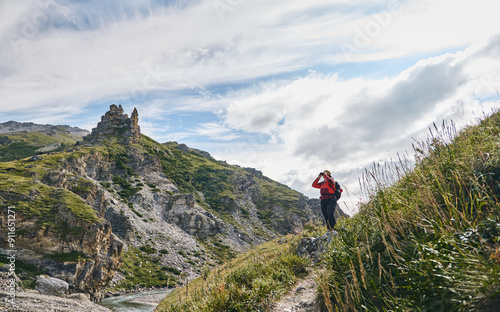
(135, 302)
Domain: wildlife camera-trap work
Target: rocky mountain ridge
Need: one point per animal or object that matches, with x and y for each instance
(23, 139)
(14, 126)
(120, 208)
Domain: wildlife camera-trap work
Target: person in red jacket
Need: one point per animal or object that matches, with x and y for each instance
(328, 199)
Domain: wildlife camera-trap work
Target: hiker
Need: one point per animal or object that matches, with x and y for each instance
(328, 197)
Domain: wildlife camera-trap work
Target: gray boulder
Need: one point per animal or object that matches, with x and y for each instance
(48, 148)
(314, 247)
(52, 286)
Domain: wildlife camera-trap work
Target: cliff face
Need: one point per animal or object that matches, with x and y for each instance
(175, 209)
(56, 232)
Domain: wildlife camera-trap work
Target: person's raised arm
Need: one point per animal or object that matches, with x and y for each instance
(315, 183)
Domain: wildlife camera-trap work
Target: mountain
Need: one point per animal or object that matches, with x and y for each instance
(120, 209)
(19, 140)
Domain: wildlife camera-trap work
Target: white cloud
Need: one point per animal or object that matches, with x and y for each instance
(74, 53)
(215, 131)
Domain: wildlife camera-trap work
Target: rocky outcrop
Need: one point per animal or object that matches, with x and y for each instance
(32, 301)
(314, 247)
(48, 148)
(115, 123)
(85, 256)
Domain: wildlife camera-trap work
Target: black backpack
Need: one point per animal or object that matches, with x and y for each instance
(338, 190)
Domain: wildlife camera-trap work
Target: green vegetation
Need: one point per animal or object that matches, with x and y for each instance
(18, 150)
(147, 249)
(248, 283)
(171, 270)
(272, 194)
(19, 145)
(73, 256)
(221, 252)
(143, 268)
(25, 271)
(81, 187)
(40, 202)
(127, 189)
(431, 240)
(121, 159)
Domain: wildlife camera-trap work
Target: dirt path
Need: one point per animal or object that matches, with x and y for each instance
(302, 297)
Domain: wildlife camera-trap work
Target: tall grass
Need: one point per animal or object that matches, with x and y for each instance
(251, 282)
(428, 238)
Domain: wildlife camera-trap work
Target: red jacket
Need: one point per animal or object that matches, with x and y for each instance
(327, 187)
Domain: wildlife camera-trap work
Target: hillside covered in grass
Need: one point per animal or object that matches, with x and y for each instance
(20, 140)
(250, 282)
(428, 239)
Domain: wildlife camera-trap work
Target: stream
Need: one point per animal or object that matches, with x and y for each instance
(135, 302)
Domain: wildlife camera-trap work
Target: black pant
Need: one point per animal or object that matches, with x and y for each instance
(328, 208)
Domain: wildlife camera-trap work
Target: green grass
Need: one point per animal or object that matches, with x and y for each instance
(73, 256)
(141, 267)
(25, 271)
(42, 203)
(250, 282)
(24, 144)
(49, 208)
(429, 237)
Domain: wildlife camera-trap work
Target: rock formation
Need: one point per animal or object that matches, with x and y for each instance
(96, 251)
(314, 247)
(115, 123)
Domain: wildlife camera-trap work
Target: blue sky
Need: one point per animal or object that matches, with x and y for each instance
(288, 87)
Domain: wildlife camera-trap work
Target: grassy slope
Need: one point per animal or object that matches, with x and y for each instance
(24, 144)
(37, 201)
(428, 242)
(250, 282)
(431, 241)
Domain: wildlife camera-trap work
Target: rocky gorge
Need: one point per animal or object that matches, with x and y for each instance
(118, 210)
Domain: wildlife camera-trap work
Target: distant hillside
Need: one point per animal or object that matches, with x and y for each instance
(20, 140)
(14, 126)
(156, 214)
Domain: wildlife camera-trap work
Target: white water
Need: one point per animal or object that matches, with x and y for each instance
(139, 302)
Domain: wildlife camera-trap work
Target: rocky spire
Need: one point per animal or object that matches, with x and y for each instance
(134, 126)
(115, 123)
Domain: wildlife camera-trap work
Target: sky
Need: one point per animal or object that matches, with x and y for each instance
(290, 88)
